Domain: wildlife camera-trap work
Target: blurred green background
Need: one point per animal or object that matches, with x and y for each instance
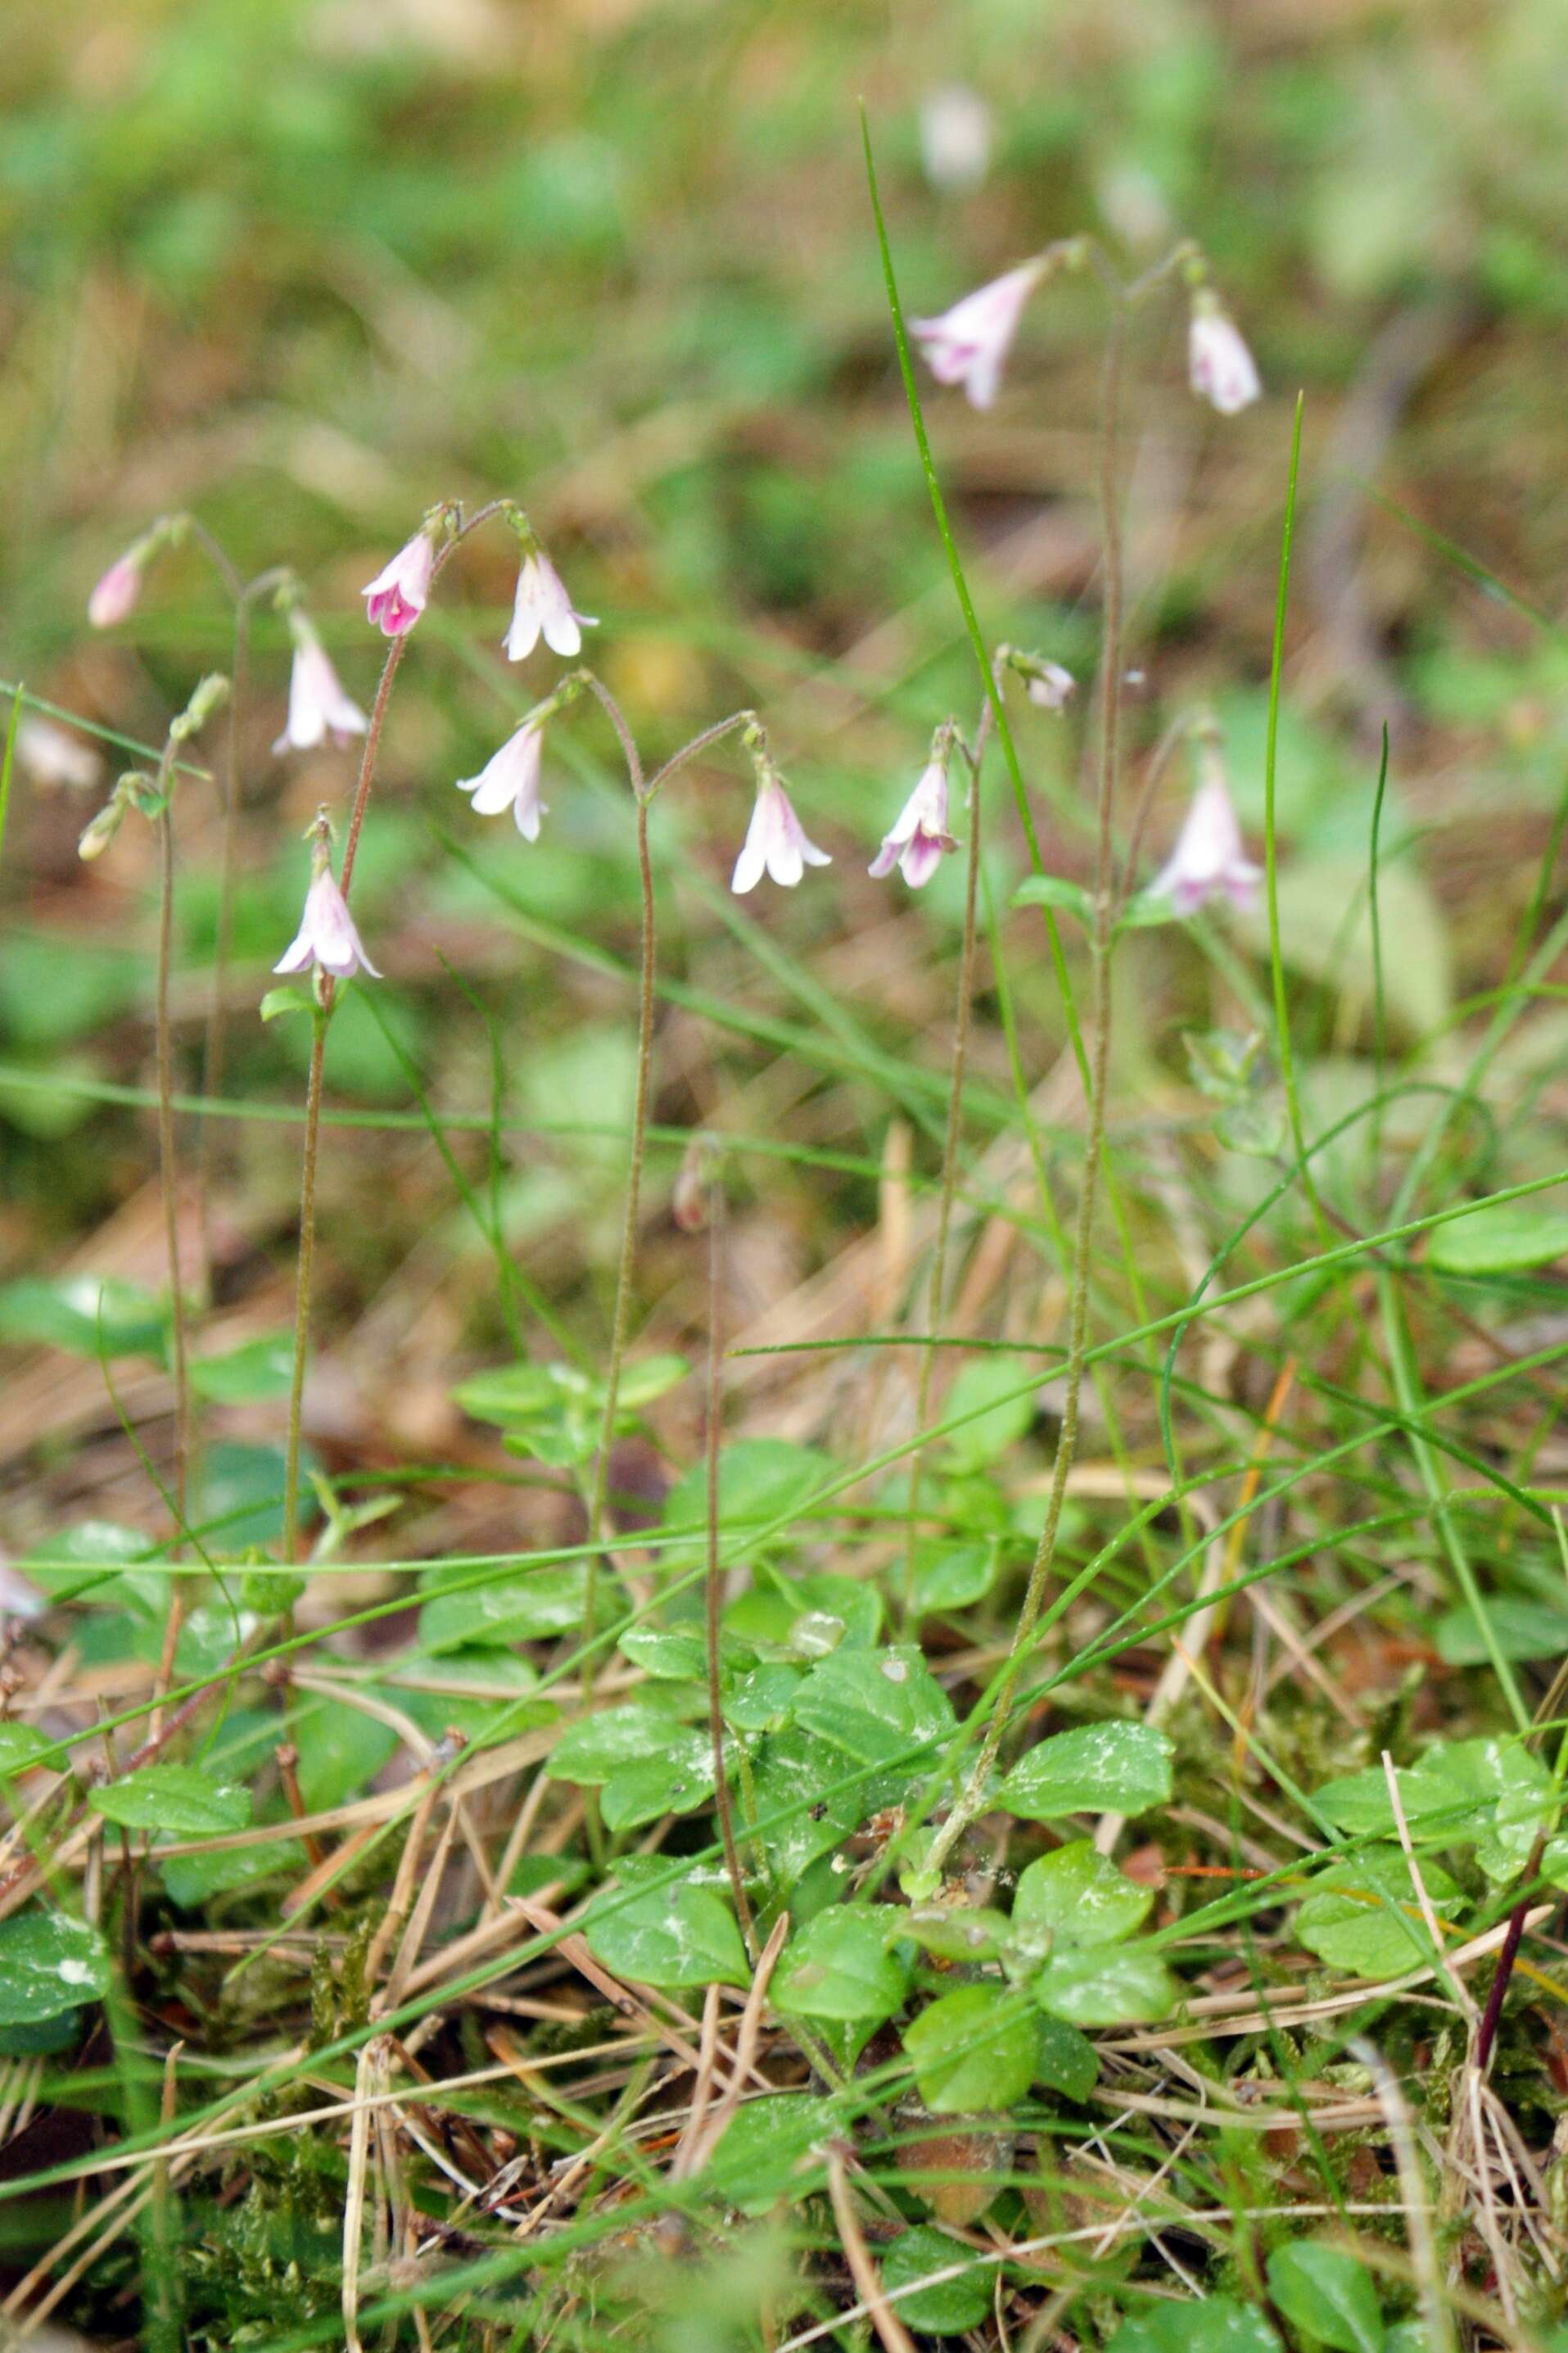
(307, 266)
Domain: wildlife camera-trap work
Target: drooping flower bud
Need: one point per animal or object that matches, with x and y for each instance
(101, 829)
(1220, 369)
(955, 138)
(1045, 682)
(690, 1201)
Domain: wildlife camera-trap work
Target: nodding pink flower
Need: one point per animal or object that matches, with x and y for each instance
(318, 705)
(326, 936)
(1208, 856)
(1050, 686)
(543, 603)
(114, 598)
(920, 836)
(510, 780)
(776, 841)
(396, 597)
(1220, 369)
(968, 343)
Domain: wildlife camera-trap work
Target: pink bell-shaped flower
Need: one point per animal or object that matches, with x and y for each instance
(397, 597)
(543, 608)
(318, 705)
(327, 937)
(919, 838)
(510, 779)
(1209, 856)
(968, 343)
(775, 840)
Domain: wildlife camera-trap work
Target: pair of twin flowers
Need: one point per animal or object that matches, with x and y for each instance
(966, 344)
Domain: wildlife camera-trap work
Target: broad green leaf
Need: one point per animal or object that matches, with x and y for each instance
(521, 1393)
(675, 1781)
(989, 1390)
(1364, 1914)
(1325, 932)
(1328, 2295)
(805, 1618)
(973, 2050)
(178, 1799)
(949, 2307)
(1119, 1767)
(959, 1932)
(21, 1746)
(89, 1559)
(1490, 1794)
(1055, 890)
(86, 1314)
(237, 1491)
(341, 1751)
(193, 1880)
(1216, 2324)
(761, 1701)
(760, 1480)
(1147, 910)
(1067, 2062)
(1116, 1984)
(670, 1654)
(1523, 1629)
(1077, 1896)
(794, 1772)
(875, 1705)
(1503, 1238)
(50, 1962)
(840, 1966)
(597, 1746)
(952, 1576)
(680, 1936)
(474, 1692)
(767, 2150)
(249, 1374)
(654, 1377)
(509, 1608)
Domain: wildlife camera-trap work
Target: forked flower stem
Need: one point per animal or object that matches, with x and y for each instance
(950, 1140)
(973, 1801)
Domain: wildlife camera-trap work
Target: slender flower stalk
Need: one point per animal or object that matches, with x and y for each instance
(713, 1580)
(951, 1141)
(599, 1493)
(973, 1800)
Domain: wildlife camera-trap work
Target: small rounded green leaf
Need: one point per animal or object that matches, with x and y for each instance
(680, 1936)
(1067, 2062)
(48, 1963)
(766, 2151)
(1216, 2324)
(506, 1609)
(1077, 1896)
(949, 2306)
(1328, 2295)
(1503, 1238)
(1120, 1768)
(973, 2050)
(178, 1798)
(839, 1966)
(1119, 1985)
